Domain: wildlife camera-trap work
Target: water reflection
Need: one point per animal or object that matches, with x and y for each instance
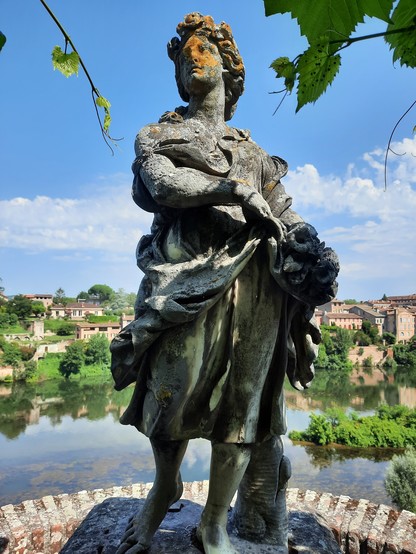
(64, 436)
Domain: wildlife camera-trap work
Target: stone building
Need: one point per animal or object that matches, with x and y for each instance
(345, 320)
(369, 314)
(85, 331)
(400, 322)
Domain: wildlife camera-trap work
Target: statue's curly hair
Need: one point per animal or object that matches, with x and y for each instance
(221, 35)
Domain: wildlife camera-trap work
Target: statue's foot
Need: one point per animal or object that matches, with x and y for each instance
(141, 528)
(214, 538)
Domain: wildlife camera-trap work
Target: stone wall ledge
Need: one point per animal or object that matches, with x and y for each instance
(43, 526)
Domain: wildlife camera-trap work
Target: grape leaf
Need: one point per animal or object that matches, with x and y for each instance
(335, 19)
(2, 40)
(107, 121)
(378, 8)
(67, 64)
(403, 44)
(286, 69)
(278, 6)
(317, 69)
(103, 102)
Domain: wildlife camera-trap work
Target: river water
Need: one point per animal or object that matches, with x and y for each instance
(58, 437)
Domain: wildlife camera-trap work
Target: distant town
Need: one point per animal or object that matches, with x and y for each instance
(391, 314)
(33, 325)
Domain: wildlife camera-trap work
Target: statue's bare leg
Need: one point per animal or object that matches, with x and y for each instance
(166, 490)
(228, 464)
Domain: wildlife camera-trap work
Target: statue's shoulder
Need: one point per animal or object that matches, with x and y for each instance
(275, 164)
(151, 136)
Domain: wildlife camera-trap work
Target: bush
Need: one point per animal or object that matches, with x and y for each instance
(72, 360)
(400, 481)
(393, 427)
(368, 362)
(65, 329)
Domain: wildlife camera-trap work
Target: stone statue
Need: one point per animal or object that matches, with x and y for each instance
(225, 309)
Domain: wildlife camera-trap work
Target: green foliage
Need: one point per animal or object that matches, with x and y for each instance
(65, 329)
(8, 320)
(400, 480)
(390, 366)
(98, 350)
(104, 292)
(368, 362)
(405, 354)
(390, 338)
(328, 26)
(30, 369)
(38, 308)
(393, 427)
(27, 352)
(20, 306)
(403, 44)
(362, 339)
(67, 64)
(317, 68)
(334, 349)
(104, 103)
(11, 354)
(2, 40)
(102, 318)
(72, 360)
(48, 368)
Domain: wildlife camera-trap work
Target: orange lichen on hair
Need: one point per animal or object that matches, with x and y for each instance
(270, 186)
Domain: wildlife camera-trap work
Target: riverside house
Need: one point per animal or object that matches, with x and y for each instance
(75, 310)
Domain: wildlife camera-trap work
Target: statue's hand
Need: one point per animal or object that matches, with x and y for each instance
(255, 207)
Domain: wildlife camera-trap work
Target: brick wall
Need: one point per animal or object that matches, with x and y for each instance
(43, 526)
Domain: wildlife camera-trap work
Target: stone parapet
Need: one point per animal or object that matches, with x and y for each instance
(43, 526)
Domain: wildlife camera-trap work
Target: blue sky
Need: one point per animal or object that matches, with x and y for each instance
(66, 216)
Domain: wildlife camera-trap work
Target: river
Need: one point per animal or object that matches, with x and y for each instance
(60, 436)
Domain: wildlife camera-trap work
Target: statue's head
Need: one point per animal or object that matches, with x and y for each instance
(220, 36)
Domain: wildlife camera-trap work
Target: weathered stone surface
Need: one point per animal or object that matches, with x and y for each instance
(102, 530)
(309, 533)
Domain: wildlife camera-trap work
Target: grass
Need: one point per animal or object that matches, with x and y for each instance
(13, 330)
(55, 324)
(48, 368)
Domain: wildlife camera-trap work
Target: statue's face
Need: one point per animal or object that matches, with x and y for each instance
(200, 65)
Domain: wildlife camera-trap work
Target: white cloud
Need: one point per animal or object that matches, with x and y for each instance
(375, 234)
(372, 229)
(107, 219)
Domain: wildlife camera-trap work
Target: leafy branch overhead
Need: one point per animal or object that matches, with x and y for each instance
(328, 27)
(68, 64)
(2, 40)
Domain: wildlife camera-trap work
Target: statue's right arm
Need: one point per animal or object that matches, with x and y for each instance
(185, 187)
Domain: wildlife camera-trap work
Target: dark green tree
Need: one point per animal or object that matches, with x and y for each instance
(97, 350)
(11, 354)
(66, 328)
(19, 305)
(73, 359)
(38, 308)
(390, 338)
(103, 292)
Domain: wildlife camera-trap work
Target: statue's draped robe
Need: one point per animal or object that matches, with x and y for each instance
(214, 332)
